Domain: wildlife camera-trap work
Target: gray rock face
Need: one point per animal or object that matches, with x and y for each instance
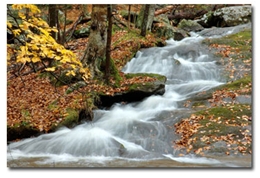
(190, 25)
(163, 28)
(227, 17)
(233, 16)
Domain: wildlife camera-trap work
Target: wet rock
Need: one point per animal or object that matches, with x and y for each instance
(20, 132)
(211, 32)
(136, 92)
(163, 28)
(227, 17)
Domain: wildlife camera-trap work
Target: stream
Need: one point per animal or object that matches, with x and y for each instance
(137, 134)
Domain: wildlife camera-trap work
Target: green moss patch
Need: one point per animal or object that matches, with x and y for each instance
(70, 120)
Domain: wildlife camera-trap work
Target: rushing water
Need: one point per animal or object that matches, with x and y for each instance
(133, 135)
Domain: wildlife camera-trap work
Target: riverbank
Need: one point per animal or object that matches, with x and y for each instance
(222, 120)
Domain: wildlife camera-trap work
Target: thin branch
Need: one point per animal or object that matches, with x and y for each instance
(73, 28)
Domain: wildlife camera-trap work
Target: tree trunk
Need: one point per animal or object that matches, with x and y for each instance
(129, 13)
(150, 17)
(108, 47)
(53, 18)
(145, 20)
(96, 48)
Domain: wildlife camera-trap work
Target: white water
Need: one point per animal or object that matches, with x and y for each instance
(132, 132)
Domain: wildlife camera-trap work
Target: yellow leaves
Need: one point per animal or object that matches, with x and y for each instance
(70, 73)
(65, 59)
(9, 25)
(21, 15)
(16, 32)
(23, 59)
(36, 59)
(33, 8)
(50, 69)
(41, 44)
(57, 58)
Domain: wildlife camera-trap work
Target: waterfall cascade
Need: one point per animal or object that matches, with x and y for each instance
(133, 131)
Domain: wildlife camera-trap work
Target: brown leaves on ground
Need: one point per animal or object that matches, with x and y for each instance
(219, 96)
(226, 50)
(187, 128)
(125, 43)
(193, 132)
(35, 101)
(230, 124)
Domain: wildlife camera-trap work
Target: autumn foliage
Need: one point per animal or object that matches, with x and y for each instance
(36, 44)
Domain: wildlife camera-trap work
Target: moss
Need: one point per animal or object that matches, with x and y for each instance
(226, 120)
(71, 118)
(241, 43)
(69, 121)
(228, 112)
(238, 83)
(240, 39)
(144, 86)
(198, 103)
(157, 76)
(53, 105)
(115, 73)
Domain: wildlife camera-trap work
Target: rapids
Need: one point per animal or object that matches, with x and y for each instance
(132, 135)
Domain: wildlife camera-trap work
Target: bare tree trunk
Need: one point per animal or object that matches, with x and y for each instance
(96, 48)
(129, 18)
(145, 20)
(108, 47)
(53, 18)
(150, 17)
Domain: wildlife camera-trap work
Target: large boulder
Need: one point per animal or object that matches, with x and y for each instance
(190, 25)
(227, 17)
(136, 92)
(163, 28)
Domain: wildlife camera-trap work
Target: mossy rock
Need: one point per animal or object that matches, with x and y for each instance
(136, 92)
(71, 120)
(190, 25)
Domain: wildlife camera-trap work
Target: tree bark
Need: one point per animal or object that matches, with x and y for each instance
(108, 47)
(96, 48)
(150, 17)
(129, 13)
(145, 20)
(53, 18)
